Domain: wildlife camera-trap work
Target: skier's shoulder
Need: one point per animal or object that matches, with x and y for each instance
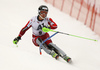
(48, 18)
(33, 18)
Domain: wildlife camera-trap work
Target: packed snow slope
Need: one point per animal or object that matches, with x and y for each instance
(14, 14)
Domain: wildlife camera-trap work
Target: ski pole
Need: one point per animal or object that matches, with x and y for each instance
(44, 29)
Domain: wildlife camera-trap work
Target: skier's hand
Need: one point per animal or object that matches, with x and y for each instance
(15, 41)
(48, 26)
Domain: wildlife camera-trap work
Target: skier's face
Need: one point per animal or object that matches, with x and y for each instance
(43, 13)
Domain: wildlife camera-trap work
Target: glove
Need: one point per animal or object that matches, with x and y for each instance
(47, 26)
(15, 41)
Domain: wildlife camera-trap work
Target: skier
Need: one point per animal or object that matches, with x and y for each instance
(38, 36)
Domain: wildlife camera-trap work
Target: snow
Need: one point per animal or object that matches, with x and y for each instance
(14, 14)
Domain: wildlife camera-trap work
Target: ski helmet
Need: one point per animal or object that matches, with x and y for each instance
(42, 8)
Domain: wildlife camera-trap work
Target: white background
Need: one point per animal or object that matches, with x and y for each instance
(14, 14)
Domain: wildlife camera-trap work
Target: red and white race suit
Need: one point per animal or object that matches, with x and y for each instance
(37, 29)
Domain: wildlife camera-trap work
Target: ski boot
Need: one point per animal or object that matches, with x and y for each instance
(68, 59)
(54, 55)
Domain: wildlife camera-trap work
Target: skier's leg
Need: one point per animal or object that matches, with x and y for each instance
(57, 49)
(44, 46)
(46, 49)
(59, 52)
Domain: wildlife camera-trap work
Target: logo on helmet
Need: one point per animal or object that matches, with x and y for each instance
(44, 8)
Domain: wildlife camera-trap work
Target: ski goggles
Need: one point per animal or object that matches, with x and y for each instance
(43, 12)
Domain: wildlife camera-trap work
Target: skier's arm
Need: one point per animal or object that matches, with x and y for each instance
(22, 32)
(24, 29)
(52, 24)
